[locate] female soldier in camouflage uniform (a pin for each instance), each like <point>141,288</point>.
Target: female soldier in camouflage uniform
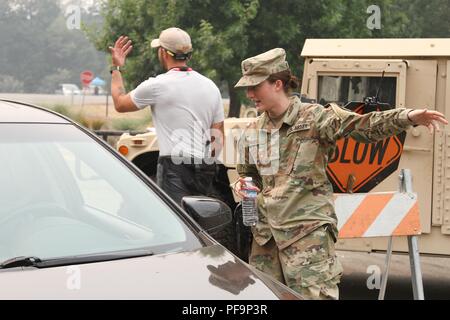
<point>286,152</point>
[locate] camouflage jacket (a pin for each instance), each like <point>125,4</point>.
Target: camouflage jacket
<point>289,164</point>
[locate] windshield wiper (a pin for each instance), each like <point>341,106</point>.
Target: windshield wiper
<point>20,262</point>
<point>70,260</point>
<point>91,258</point>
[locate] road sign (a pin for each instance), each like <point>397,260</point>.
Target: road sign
<point>86,77</point>
<point>363,166</point>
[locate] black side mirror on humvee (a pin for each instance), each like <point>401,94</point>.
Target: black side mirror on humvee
<point>212,214</point>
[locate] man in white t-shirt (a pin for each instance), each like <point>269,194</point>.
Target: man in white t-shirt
<point>187,112</point>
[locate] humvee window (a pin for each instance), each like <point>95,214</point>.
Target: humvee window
<point>342,90</point>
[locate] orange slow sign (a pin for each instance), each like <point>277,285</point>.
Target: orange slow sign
<point>360,166</point>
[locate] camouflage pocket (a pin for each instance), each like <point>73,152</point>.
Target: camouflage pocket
<point>312,260</point>
<point>304,172</point>
<point>326,271</point>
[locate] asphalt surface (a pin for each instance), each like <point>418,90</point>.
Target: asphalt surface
<point>53,99</point>
<point>360,266</point>
<point>70,100</point>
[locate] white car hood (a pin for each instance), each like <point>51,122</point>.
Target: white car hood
<point>206,274</point>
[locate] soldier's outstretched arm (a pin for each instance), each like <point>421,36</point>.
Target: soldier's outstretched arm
<point>335,123</point>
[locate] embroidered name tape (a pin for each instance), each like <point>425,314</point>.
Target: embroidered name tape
<point>300,127</point>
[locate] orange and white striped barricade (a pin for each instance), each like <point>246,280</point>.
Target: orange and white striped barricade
<point>384,214</point>
<point>381,214</point>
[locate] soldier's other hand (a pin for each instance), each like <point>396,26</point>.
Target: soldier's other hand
<point>120,51</point>
<point>237,188</point>
<point>427,118</point>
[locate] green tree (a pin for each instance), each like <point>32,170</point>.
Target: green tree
<point>430,17</point>
<point>10,84</point>
<point>39,51</point>
<point>226,32</point>
<point>222,40</point>
<point>23,48</point>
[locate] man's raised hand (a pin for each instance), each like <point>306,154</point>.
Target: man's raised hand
<point>120,51</point>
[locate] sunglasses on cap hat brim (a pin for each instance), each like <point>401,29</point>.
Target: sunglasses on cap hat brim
<point>177,56</point>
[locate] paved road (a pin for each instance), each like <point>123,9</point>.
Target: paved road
<point>435,272</point>
<point>52,99</point>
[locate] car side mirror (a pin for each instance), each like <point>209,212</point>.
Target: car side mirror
<point>211,214</point>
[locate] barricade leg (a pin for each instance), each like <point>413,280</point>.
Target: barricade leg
<point>416,272</point>
<point>414,260</point>
<point>384,278</point>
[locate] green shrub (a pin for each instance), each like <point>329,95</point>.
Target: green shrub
<point>81,120</point>
<point>61,109</point>
<point>126,124</point>
<point>132,124</point>
<point>97,124</point>
<point>145,121</point>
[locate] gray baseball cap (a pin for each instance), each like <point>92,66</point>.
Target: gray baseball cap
<point>258,68</point>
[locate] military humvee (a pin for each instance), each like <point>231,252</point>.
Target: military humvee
<point>412,73</point>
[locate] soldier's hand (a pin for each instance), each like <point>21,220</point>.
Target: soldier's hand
<point>427,118</point>
<point>237,188</point>
<point>120,51</point>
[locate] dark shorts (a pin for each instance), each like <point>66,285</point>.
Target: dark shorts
<point>180,177</point>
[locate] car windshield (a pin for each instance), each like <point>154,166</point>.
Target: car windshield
<point>63,194</point>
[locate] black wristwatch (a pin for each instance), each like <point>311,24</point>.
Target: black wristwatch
<point>115,68</point>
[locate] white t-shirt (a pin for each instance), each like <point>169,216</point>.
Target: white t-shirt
<point>184,105</point>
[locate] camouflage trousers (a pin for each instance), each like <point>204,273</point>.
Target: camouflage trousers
<point>309,266</point>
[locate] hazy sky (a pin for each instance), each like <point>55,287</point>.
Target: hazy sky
<point>87,3</point>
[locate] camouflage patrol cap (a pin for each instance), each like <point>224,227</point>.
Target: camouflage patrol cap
<point>258,68</point>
